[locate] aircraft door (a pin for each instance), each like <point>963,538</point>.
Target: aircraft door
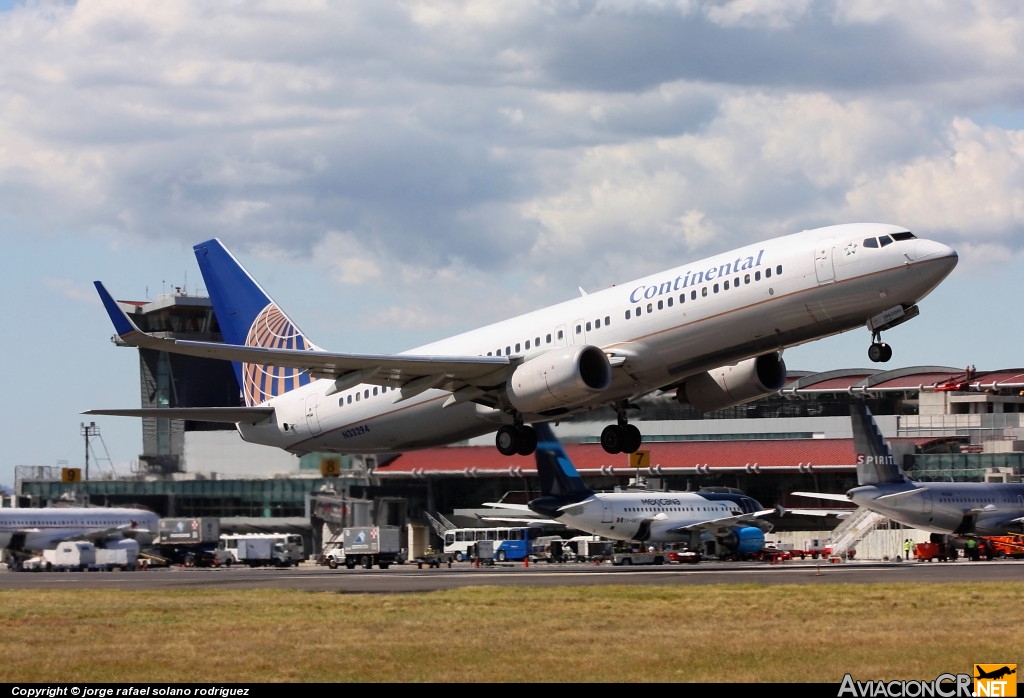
<point>561,336</point>
<point>607,515</point>
<point>578,331</point>
<point>823,266</point>
<point>312,418</point>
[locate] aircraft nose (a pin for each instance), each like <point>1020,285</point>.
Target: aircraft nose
<point>927,250</point>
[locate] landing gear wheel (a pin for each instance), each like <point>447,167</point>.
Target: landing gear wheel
<point>518,439</point>
<point>527,440</point>
<point>505,440</point>
<point>879,352</point>
<point>620,438</point>
<point>631,439</point>
<point>612,438</point>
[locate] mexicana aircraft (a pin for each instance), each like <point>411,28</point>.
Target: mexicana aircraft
<point>961,508</point>
<point>710,332</point>
<point>726,516</point>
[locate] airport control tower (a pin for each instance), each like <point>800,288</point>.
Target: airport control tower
<point>174,380</point>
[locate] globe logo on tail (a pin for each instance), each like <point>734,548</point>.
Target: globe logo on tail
<point>272,330</point>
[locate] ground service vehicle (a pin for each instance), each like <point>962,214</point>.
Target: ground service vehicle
<point>83,555</point>
<point>191,542</point>
<point>651,557</point>
<point>510,543</point>
<point>590,550</point>
<point>278,549</point>
<point>1006,546</point>
<point>367,546</point>
<point>260,551</point>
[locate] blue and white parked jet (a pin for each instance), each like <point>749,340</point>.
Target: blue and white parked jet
<point>960,508</point>
<point>710,332</point>
<point>730,518</point>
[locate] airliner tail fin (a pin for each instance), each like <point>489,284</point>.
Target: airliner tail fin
<point>876,463</point>
<point>558,476</point>
<point>248,316</point>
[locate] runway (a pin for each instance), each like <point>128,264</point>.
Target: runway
<point>409,578</point>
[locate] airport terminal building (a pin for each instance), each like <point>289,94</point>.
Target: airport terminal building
<point>946,423</point>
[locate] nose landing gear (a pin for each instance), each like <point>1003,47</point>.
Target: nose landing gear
<point>879,352</point>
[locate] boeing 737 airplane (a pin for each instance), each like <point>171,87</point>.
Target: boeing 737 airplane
<point>711,332</point>
<point>961,508</point>
<point>27,530</point>
<point>728,517</point>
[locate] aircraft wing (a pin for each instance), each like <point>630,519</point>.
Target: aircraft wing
<point>714,525</point>
<point>408,372</point>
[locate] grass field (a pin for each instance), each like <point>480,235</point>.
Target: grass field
<point>720,633</point>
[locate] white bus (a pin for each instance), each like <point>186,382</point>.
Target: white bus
<point>291,543</point>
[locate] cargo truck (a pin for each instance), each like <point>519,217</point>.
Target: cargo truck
<point>367,546</point>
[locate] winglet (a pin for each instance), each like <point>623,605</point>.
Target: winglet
<point>123,324</point>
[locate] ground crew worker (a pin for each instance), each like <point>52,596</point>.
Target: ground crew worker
<point>907,545</point>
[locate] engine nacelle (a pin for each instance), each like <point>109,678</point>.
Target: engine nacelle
<point>561,377</point>
<point>743,541</point>
<point>734,384</point>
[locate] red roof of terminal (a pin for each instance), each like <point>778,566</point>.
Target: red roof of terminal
<point>752,455</point>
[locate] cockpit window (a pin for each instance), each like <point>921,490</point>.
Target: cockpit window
<point>888,239</point>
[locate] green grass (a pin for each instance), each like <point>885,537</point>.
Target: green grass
<point>732,633</point>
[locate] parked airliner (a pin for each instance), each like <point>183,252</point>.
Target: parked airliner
<point>711,332</point>
<point>730,518</point>
<point>961,508</point>
<point>26,530</point>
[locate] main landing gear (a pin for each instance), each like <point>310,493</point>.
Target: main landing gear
<point>622,437</point>
<point>879,352</point>
<point>515,439</point>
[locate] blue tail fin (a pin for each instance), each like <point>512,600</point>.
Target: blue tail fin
<point>876,463</point>
<point>560,483</point>
<point>248,316</point>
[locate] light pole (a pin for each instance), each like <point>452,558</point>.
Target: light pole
<point>88,430</point>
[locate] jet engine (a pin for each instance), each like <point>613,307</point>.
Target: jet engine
<point>734,384</point>
<point>743,541</point>
<point>559,378</point>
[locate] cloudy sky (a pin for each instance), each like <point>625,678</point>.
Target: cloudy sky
<point>395,172</point>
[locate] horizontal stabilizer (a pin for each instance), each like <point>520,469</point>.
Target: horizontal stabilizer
<point>223,415</point>
<point>823,495</point>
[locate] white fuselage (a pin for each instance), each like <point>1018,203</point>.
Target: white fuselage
<point>662,328</point>
<point>40,529</point>
<point>648,516</point>
<point>990,509</point>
